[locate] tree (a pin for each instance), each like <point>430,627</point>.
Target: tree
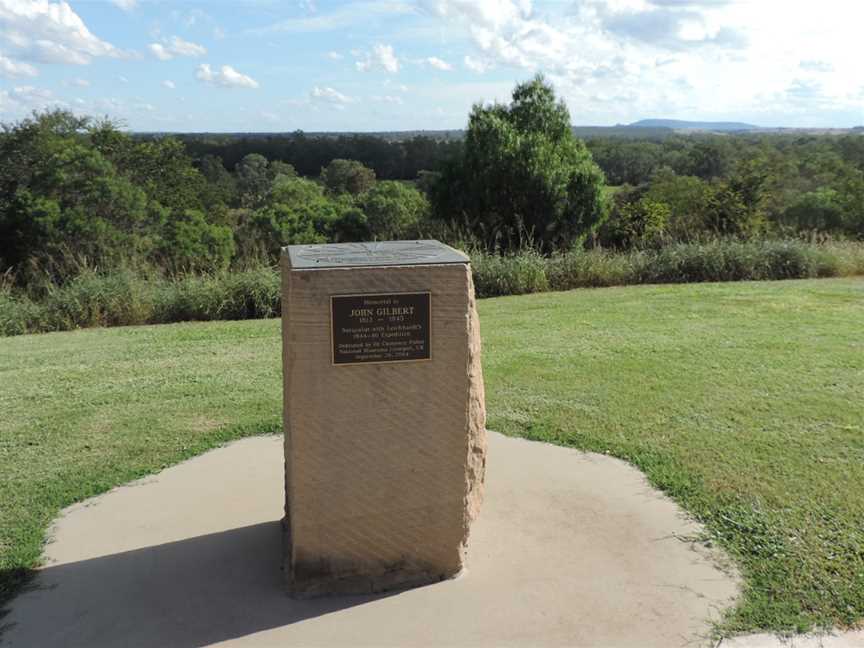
<point>522,172</point>
<point>687,198</point>
<point>253,180</point>
<point>164,171</point>
<point>68,202</point>
<point>278,168</point>
<point>190,243</point>
<point>300,212</point>
<point>393,210</point>
<point>735,206</point>
<point>347,176</point>
<point>221,187</point>
<point>295,191</point>
<point>635,224</point>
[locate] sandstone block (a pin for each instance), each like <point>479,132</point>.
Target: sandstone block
<point>384,415</point>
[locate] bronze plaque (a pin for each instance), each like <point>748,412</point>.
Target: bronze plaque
<point>390,327</point>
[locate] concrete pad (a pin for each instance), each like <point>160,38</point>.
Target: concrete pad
<point>570,549</point>
<point>832,640</point>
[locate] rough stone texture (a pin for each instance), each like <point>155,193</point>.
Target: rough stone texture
<point>384,463</point>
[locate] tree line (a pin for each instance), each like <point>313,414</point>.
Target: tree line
<point>74,190</point>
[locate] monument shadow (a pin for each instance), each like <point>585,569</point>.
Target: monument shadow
<point>191,592</point>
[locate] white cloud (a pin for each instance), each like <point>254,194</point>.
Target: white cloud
<point>718,59</point>
<point>437,63</point>
<point>399,86</point>
<point>346,16</point>
<point>476,65</point>
<point>160,51</point>
<point>492,14</point>
<point>49,32</point>
<point>226,76</point>
<point>169,84</point>
<point>181,47</point>
<point>330,97</point>
<point>21,100</point>
<point>78,83</point>
<point>381,56</point>
<point>334,56</point>
<point>388,99</point>
<point>125,5</point>
<point>329,94</point>
<point>11,68</point>
<point>122,79</point>
<point>176,46</point>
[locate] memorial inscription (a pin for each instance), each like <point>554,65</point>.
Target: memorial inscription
<point>390,327</point>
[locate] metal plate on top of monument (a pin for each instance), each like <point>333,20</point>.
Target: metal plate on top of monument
<point>380,253</point>
<point>389,327</point>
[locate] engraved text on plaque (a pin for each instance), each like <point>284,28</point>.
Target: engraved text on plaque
<point>391,327</point>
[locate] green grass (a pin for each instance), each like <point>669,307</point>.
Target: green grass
<point>87,410</point>
<point>744,401</point>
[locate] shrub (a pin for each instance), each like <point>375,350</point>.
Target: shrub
<point>125,297</point>
<point>248,294</point>
<point>593,268</point>
<point>191,243</point>
<point>347,176</point>
<point>19,315</point>
<point>509,274</point>
<point>635,224</point>
<point>91,299</point>
<point>394,210</point>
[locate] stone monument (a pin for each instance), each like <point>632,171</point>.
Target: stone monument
<point>384,415</point>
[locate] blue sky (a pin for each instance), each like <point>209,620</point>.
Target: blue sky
<point>261,65</point>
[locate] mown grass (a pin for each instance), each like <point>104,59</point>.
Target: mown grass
<point>742,401</point>
<point>745,402</point>
<point>85,411</point>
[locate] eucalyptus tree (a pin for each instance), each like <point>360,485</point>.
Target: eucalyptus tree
<point>523,174</point>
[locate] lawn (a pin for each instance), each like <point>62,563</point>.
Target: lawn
<point>744,401</point>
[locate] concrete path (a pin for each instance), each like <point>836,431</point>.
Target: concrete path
<point>834,640</point>
<point>571,549</point>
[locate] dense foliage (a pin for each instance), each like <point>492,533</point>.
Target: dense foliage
<point>76,194</point>
<point>522,172</point>
<point>79,194</point>
<point>123,297</point>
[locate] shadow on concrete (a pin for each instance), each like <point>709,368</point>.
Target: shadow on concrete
<point>191,592</point>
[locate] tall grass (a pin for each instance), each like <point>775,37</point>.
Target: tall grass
<point>128,297</point>
<point>123,298</point>
<point>509,274</point>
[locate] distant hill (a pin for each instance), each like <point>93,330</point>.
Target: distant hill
<point>680,124</point>
<point>624,131</point>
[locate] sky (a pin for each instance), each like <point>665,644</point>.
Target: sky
<point>373,65</point>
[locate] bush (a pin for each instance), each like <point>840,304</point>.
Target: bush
<point>91,299</point>
<point>594,268</point>
<point>510,274</point>
<point>249,294</point>
<point>848,258</point>
<point>125,298</point>
<point>19,315</point>
<point>394,210</point>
